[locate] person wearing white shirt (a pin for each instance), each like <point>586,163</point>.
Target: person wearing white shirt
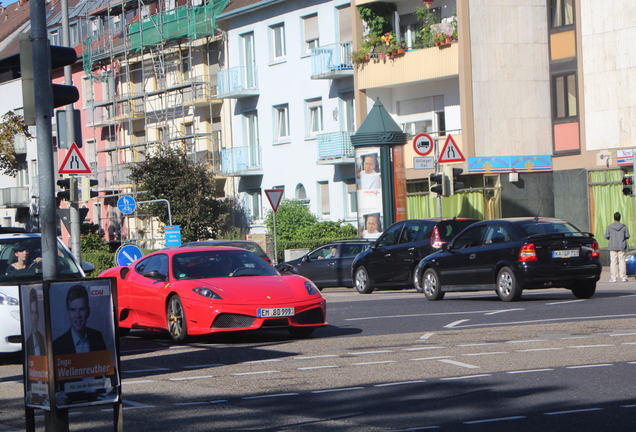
<point>370,176</point>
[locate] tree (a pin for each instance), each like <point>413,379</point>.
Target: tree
<point>292,216</point>
<point>11,125</point>
<point>189,188</point>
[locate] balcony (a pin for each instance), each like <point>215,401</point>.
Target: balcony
<point>241,161</point>
<point>129,109</point>
<point>238,82</point>
<point>99,116</point>
<point>14,197</point>
<point>414,66</point>
<point>20,143</point>
<point>335,148</point>
<point>332,61</point>
<point>200,95</point>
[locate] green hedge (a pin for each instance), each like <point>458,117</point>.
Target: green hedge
<point>101,260</point>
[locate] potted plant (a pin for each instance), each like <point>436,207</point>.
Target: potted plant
<point>360,56</point>
<point>442,39</point>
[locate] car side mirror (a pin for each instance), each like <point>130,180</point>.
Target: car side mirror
<point>154,274</point>
<point>445,246</point>
<point>87,267</point>
<point>306,258</point>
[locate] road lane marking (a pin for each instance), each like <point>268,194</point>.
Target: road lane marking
<point>526,341</point>
<point>423,348</point>
<point>453,324</point>
<point>431,358</point>
<point>255,373</point>
<point>315,357</point>
<point>495,420</point>
<point>421,315</point>
<point>373,363</point>
<point>399,383</point>
<point>426,336</point>
<point>465,377</point>
<point>503,310</point>
<point>475,344</point>
<point>485,353</point>
<point>191,403</point>
<point>529,371</point>
<point>589,366</point>
<point>261,361</point>
<point>317,367</point>
<point>539,349</point>
<point>137,382</point>
<point>419,428</point>
<point>202,366</point>
<point>337,390</point>
<point>574,411</point>
<point>460,364</point>
<point>623,334</point>
<point>270,396</point>
<point>218,401</point>
<point>628,406</point>
<point>590,346</point>
<point>192,378</point>
<point>564,302</point>
<point>369,352</point>
<point>581,318</point>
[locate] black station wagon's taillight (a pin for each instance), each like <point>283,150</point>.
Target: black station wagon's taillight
<point>528,253</point>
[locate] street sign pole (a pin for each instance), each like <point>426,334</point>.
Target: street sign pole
<point>437,165</point>
<point>274,196</point>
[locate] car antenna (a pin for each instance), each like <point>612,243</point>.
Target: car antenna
<point>536,218</point>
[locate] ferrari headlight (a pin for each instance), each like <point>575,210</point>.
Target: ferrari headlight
<point>7,300</point>
<point>311,288</point>
<point>207,292</point>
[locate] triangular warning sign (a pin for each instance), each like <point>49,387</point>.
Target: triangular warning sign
<point>274,196</point>
<point>450,152</point>
<point>74,163</point>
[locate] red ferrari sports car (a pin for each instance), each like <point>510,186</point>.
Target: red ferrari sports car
<point>200,290</point>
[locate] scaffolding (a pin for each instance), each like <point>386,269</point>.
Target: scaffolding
<point>151,77</point>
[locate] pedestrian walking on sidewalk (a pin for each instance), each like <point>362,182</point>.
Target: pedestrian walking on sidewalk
<point>617,234</point>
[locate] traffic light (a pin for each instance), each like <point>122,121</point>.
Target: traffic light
<point>87,192</point>
<point>437,183</point>
<point>628,185</point>
<point>60,94</point>
<point>455,185</point>
<point>69,186</point>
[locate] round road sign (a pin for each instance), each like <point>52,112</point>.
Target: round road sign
<point>423,144</point>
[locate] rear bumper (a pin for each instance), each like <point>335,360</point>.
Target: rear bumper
<point>531,275</point>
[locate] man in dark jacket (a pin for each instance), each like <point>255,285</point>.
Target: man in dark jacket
<point>617,234</point>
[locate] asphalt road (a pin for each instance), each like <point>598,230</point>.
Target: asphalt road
<point>389,361</point>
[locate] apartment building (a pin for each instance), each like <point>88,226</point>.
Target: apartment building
<point>288,83</point>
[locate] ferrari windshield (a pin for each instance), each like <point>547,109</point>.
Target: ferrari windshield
<point>219,263</point>
<point>21,258</point>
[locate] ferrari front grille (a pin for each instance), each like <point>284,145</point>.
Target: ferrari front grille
<point>311,316</point>
<point>228,321</point>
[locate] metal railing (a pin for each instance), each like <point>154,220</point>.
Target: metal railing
<point>240,160</point>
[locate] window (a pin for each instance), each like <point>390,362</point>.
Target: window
<point>351,197</point>
<point>281,114</point>
<point>348,120</point>
<point>55,38</point>
<point>310,24</point>
<point>74,34</point>
<point>278,41</point>
<point>315,116</point>
<point>253,203</point>
<point>565,98</point>
<point>323,190</point>
<point>251,138</point>
<point>249,59</point>
<point>470,238</point>
<point>562,12</point>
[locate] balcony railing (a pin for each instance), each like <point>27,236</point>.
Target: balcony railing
<point>113,177</point>
<point>335,148</point>
<point>20,143</point>
<point>332,61</point>
<point>238,82</point>
<point>14,197</point>
<point>239,161</point>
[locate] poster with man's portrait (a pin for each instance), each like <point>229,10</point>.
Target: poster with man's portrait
<point>84,345</point>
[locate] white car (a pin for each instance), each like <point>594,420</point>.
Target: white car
<point>13,243</point>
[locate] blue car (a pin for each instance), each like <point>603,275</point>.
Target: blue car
<point>630,263</point>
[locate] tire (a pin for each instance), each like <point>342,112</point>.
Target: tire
<point>364,284</point>
<point>584,289</point>
<point>301,332</point>
<point>507,287</point>
<point>431,286</point>
<point>175,317</point>
<point>417,282</point>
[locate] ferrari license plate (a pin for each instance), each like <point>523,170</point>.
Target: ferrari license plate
<point>276,312</point>
<point>570,253</point>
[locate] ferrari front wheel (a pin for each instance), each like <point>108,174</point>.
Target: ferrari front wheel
<point>176,320</point>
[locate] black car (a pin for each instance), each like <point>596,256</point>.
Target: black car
<point>243,244</point>
<point>510,255</point>
<point>391,260</point>
<point>329,265</point>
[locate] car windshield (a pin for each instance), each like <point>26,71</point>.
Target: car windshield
<point>538,227</point>
<point>21,258</point>
<point>219,263</point>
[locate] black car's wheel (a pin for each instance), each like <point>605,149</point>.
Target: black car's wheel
<point>301,332</point>
<point>584,289</point>
<point>364,284</point>
<point>417,281</point>
<point>507,287</point>
<point>431,286</point>
<point>175,316</point>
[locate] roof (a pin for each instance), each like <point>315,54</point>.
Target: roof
<point>237,7</point>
